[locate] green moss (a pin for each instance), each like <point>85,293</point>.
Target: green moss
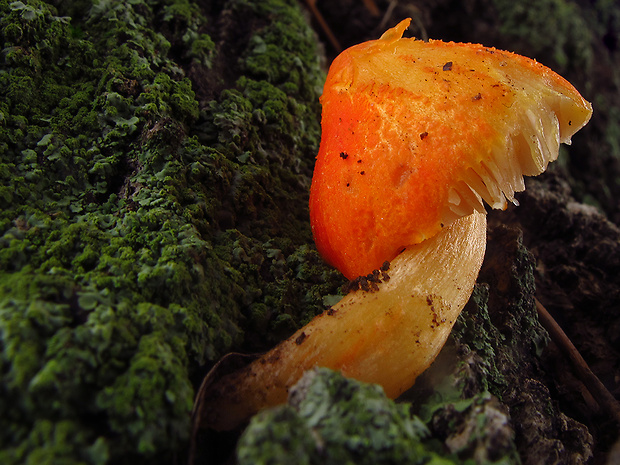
<point>475,329</point>
<point>554,29</point>
<point>334,420</point>
<point>58,443</point>
<point>147,225</point>
<point>289,437</point>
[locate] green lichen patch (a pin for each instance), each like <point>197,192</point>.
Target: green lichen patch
<point>147,226</point>
<point>566,39</point>
<point>477,429</point>
<point>334,420</point>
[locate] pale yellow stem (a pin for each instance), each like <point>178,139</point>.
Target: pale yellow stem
<point>387,336</point>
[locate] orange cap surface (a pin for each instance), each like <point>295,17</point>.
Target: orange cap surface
<point>416,133</point>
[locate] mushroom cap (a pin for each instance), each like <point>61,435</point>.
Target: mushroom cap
<point>416,133</point>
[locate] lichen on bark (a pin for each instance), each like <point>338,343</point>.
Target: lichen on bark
<point>155,159</point>
<point>152,211</point>
<point>333,420</point>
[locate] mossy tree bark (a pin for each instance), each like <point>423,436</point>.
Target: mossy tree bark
<point>155,160</point>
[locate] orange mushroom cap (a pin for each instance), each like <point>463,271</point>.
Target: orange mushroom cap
<point>414,135</point>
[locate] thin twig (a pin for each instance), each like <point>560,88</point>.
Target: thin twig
<point>326,29</point>
<point>372,7</point>
<point>598,390</point>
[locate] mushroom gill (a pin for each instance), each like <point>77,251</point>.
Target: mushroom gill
<point>416,135</point>
<point>464,122</point>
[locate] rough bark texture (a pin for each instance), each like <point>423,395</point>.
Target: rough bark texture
<point>155,165</point>
<point>155,160</point>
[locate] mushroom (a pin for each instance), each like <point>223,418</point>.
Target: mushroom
<point>415,135</point>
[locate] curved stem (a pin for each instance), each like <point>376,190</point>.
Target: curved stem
<point>387,336</point>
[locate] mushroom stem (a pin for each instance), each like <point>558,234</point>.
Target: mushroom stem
<point>386,336</point>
